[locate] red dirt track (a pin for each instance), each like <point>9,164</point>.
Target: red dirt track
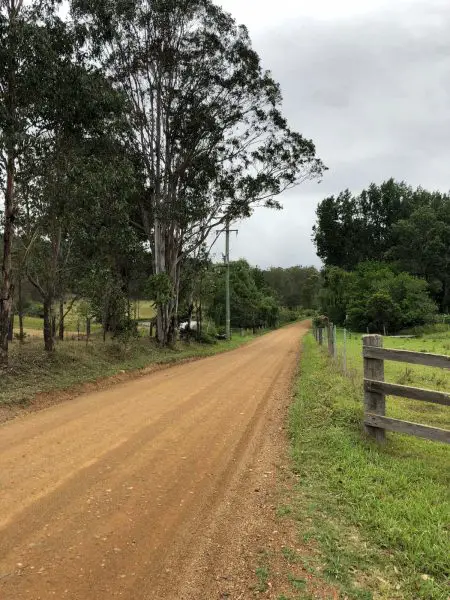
<point>150,489</point>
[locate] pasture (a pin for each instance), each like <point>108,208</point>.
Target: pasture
<point>405,374</point>
<point>75,320</point>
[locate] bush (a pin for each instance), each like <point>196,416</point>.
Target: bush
<point>376,298</point>
<point>287,315</point>
<point>206,338</point>
<point>320,322</point>
<point>34,309</point>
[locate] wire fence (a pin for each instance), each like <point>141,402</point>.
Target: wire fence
<point>338,342</point>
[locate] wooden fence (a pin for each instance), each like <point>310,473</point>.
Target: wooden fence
<point>330,331</point>
<point>376,389</point>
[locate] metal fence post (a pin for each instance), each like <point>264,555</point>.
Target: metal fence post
<point>374,402</point>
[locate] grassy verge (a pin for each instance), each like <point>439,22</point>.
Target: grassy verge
<point>376,519</point>
<point>32,371</point>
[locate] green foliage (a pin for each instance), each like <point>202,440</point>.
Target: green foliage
<point>34,309</point>
<point>287,315</point>
<point>159,288</point>
<point>333,296</point>
<point>294,287</point>
<point>408,228</point>
<point>206,337</point>
<point>375,298</point>
<point>214,99</point>
<point>250,306</point>
<point>262,573</point>
<point>320,321</point>
<point>102,196</point>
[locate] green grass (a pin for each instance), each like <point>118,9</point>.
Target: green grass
<point>32,371</point>
<point>404,374</point>
<point>262,575</point>
<point>142,309</point>
<point>376,518</point>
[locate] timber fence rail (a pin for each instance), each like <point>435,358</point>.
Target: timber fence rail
<point>376,423</point>
<point>375,390</point>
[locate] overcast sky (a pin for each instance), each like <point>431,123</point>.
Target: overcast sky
<point>369,82</point>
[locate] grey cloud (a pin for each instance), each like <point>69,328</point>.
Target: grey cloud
<point>374,95</point>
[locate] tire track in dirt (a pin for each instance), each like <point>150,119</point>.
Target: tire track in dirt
<point>147,490</point>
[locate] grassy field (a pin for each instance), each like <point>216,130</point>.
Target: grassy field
<point>375,519</point>
<point>33,371</point>
<point>142,309</point>
<point>404,374</point>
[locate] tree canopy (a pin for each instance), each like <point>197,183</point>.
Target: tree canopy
<point>204,118</point>
<point>407,228</point>
<point>375,298</point>
<point>129,131</point>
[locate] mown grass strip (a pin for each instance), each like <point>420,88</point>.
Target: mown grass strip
<point>378,516</point>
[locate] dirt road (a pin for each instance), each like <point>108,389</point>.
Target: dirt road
<point>151,489</point>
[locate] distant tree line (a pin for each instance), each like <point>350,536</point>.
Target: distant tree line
<point>263,298</point>
<point>129,131</point>
<point>387,256</point>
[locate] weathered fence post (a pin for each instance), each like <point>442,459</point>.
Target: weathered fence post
<point>374,402</point>
<point>331,339</point>
<point>88,329</point>
<point>335,347</point>
<point>344,359</point>
<point>320,339</point>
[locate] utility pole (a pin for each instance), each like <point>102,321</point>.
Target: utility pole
<point>227,281</point>
<point>227,277</point>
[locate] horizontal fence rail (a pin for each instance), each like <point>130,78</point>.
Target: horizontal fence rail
<point>415,358</point>
<point>423,431</point>
<point>404,391</point>
<point>376,390</point>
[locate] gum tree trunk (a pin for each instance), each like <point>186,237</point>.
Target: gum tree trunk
<point>61,320</point>
<point>20,309</point>
<point>49,343</point>
<point>6,290</point>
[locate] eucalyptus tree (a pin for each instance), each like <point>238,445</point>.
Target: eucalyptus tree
<point>77,222</point>
<point>35,44</point>
<point>14,85</point>
<point>205,118</point>
<point>71,164</point>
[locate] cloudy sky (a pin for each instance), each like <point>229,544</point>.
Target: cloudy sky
<point>369,82</point>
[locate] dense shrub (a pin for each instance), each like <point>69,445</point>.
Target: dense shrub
<point>376,298</point>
